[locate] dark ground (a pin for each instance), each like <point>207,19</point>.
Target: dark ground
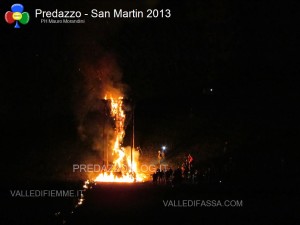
<point>142,203</point>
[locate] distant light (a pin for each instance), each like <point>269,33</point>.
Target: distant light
<point>163,147</point>
<point>211,89</point>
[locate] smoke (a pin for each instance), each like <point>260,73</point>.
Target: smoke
<point>99,78</point>
<point>110,77</point>
<point>100,75</point>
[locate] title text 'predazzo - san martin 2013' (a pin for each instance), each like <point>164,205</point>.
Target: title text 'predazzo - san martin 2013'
<point>115,13</point>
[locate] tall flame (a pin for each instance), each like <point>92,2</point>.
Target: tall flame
<point>124,167</point>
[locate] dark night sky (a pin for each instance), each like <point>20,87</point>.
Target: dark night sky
<point>245,51</point>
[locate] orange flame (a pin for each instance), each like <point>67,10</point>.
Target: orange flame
<point>129,172</point>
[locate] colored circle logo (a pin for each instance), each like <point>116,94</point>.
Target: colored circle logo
<point>17,15</point>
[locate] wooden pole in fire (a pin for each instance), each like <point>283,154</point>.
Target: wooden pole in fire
<point>132,138</point>
<point>106,151</point>
<point>103,141</point>
<point>105,136</point>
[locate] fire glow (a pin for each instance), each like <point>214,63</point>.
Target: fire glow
<point>125,164</point>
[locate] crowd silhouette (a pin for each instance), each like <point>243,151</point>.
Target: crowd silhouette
<point>218,170</point>
<point>184,173</point>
